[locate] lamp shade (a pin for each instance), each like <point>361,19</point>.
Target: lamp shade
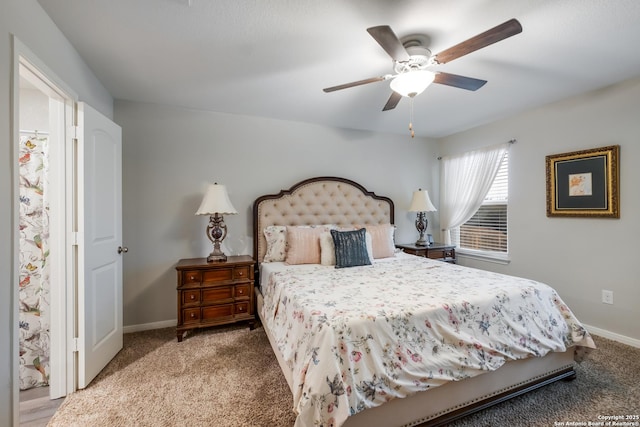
<point>412,83</point>
<point>216,200</point>
<point>421,202</point>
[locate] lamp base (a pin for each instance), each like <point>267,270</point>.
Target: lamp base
<point>216,257</point>
<point>422,242</point>
<point>421,226</point>
<point>216,232</point>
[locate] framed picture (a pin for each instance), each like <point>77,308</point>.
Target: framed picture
<point>584,183</point>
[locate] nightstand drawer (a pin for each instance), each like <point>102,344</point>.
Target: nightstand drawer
<point>189,277</point>
<point>217,294</point>
<point>215,312</point>
<point>436,254</point>
<point>242,308</point>
<point>190,297</point>
<point>243,291</point>
<point>217,275</point>
<point>439,251</point>
<point>191,315</point>
<point>240,273</point>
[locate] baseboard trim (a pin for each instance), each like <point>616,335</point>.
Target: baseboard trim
<point>149,326</point>
<point>613,336</point>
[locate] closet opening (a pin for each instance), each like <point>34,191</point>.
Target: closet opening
<point>44,112</point>
<point>62,337</point>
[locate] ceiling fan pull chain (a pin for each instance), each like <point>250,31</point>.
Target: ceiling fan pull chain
<point>413,134</point>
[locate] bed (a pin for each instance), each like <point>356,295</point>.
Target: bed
<point>392,339</point>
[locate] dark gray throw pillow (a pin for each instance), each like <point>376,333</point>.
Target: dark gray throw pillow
<point>351,248</point>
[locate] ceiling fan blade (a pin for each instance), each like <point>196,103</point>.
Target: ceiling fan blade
<point>461,82</point>
<point>352,84</point>
<point>495,34</point>
<point>392,101</point>
<point>386,38</point>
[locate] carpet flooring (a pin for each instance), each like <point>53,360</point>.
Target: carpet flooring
<point>229,377</point>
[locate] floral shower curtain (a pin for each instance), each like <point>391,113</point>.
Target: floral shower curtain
<point>34,286</point>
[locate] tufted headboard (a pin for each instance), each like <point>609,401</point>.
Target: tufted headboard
<point>317,201</point>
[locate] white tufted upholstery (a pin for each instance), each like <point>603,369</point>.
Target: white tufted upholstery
<point>318,201</point>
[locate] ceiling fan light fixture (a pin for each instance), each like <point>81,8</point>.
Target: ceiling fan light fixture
<point>412,83</point>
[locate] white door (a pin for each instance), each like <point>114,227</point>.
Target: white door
<point>99,180</point>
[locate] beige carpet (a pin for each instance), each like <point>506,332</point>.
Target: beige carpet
<point>230,377</point>
<point>215,377</point>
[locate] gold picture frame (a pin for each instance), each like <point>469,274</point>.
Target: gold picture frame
<point>584,183</point>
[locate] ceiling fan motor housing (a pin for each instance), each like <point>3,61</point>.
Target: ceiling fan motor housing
<point>420,58</point>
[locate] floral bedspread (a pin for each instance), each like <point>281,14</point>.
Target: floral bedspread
<point>357,337</point>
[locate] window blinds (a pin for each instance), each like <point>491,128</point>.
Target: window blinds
<point>487,228</point>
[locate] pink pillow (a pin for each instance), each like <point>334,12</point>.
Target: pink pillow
<point>382,240</point>
<point>303,245</point>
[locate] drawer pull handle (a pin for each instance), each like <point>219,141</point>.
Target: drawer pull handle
<point>193,277</point>
<point>240,291</point>
<point>193,315</point>
<point>240,308</point>
<point>193,296</point>
<point>240,273</point>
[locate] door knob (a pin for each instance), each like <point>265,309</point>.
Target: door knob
<point>122,249</point>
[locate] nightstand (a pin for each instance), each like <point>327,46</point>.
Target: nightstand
<point>438,251</point>
<point>214,293</point>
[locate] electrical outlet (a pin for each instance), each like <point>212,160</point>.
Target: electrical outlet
<point>607,296</point>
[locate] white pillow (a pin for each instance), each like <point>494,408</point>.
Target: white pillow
<point>328,249</point>
<point>276,236</point>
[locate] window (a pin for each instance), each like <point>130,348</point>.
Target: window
<point>486,231</point>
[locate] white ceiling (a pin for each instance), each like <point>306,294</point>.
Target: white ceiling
<point>271,58</point>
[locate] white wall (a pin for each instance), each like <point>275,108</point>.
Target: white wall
<point>577,256</point>
<point>171,154</point>
<point>34,110</point>
<point>27,20</point>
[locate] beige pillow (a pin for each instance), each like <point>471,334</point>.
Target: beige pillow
<point>303,245</point>
<point>382,240</point>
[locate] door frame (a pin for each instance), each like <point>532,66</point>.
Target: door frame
<point>63,318</point>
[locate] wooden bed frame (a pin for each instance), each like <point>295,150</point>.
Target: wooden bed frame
<point>332,200</point>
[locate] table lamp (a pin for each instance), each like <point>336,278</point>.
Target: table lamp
<point>216,203</point>
<point>421,204</point>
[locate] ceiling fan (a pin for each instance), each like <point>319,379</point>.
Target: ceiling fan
<point>411,60</point>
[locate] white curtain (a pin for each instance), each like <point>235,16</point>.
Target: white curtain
<point>465,180</point>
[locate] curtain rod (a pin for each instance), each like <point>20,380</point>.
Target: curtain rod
<point>511,141</point>
<point>37,132</point>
